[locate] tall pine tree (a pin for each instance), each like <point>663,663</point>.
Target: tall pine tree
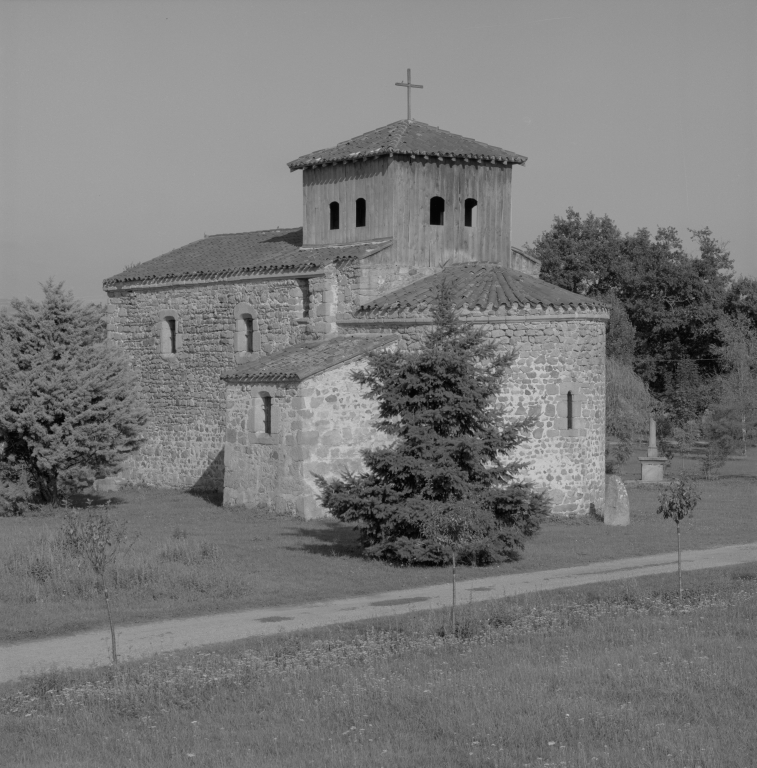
<point>69,406</point>
<point>448,456</point>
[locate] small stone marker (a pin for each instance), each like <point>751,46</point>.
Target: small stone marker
<point>617,509</point>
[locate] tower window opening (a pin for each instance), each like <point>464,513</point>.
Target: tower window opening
<point>471,212</point>
<point>249,330</point>
<point>334,215</point>
<point>570,410</point>
<point>360,212</point>
<point>437,211</point>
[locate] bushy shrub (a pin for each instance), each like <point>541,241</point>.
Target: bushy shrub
<point>449,452</point>
<point>716,453</point>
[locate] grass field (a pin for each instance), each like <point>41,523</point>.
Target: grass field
<point>614,676</point>
<point>192,556</point>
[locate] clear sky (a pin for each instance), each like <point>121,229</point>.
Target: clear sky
<point>130,128</point>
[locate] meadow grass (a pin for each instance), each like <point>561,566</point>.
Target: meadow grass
<point>620,675</point>
<point>192,557</point>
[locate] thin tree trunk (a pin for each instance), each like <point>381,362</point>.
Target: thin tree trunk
<point>110,621</point>
<point>454,588</point>
<point>678,532</point>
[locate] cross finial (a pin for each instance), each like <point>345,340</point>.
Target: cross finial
<point>408,85</point>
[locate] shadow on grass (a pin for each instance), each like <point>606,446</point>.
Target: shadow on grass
<point>331,538</point>
<point>75,501</point>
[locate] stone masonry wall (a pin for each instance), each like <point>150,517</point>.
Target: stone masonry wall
<point>556,353</point>
<point>184,392</point>
<point>318,427</point>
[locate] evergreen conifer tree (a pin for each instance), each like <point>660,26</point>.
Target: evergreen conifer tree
<point>448,456</point>
<point>69,406</point>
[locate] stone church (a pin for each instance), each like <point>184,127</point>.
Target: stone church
<point>245,343</point>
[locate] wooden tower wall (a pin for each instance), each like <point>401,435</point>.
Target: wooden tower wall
<point>345,183</point>
<point>418,242</point>
<point>398,193</point>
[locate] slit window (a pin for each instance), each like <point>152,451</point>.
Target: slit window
<point>305,291</point>
<point>570,410</point>
<point>249,330</point>
<point>437,211</point>
<point>168,340</point>
<point>360,212</point>
<point>334,215</point>
<point>267,406</point>
<point>471,212</point>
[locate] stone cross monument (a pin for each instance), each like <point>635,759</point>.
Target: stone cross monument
<point>652,464</point>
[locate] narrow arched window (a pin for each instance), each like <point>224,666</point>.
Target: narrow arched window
<point>304,285</point>
<point>570,410</point>
<point>246,331</point>
<point>249,332</point>
<point>168,336</point>
<point>360,212</point>
<point>334,215</point>
<point>267,407</point>
<point>437,211</point>
<point>471,212</point>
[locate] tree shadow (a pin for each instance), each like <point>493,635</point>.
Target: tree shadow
<point>74,501</point>
<point>332,539</point>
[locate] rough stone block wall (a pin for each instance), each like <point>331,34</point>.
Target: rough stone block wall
<point>184,392</point>
<point>319,427</point>
<point>261,468</point>
<point>552,359</point>
<point>556,353</point>
<point>362,281</point>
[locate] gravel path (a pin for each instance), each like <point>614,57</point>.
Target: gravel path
<point>136,641</point>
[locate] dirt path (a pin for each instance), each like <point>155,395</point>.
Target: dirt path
<point>92,648</point>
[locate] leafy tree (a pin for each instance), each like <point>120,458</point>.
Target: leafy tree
<point>741,301</point>
<point>583,255</point>
<point>628,409</point>
<point>674,301</point>
<point>621,335</point>
<point>676,502</point>
<point>735,412</point>
<point>69,406</point>
<point>448,455</point>
<point>687,393</point>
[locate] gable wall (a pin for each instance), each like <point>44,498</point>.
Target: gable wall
<point>321,425</point>
<point>185,395</point>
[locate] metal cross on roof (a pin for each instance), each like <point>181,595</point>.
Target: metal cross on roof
<point>408,85</point>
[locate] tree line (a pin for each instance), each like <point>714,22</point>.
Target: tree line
<point>683,328</point>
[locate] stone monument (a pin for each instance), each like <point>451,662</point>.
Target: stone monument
<point>652,464</point>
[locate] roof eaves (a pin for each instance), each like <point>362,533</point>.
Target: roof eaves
<point>226,274</point>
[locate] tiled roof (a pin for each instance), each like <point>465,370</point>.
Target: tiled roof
<point>486,286</point>
<point>305,360</point>
<point>406,137</point>
<point>238,254</point>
